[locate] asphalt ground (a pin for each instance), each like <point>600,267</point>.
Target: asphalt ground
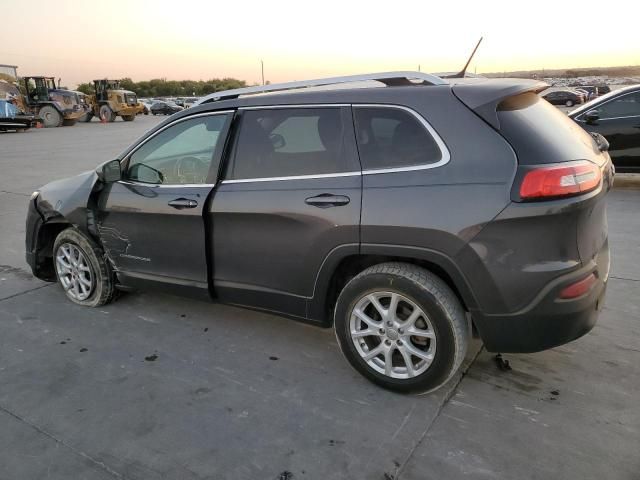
<point>160,387</point>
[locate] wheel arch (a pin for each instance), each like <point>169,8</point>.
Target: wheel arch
<point>45,238</point>
<point>342,264</point>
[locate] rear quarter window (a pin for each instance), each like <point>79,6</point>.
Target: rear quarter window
<point>541,133</point>
<point>393,138</point>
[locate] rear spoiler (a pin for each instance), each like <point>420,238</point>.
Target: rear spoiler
<point>484,95</point>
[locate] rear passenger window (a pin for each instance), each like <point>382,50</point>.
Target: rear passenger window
<point>286,142</point>
<point>393,138</point>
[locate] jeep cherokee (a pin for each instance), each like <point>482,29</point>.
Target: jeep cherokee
<point>407,213</point>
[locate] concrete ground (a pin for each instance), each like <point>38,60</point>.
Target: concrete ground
<point>155,386</point>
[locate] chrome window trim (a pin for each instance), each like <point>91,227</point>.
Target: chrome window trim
<point>297,105</point>
<point>183,119</point>
<point>293,177</point>
<point>610,118</point>
<point>165,185</point>
<point>444,151</point>
<point>169,185</point>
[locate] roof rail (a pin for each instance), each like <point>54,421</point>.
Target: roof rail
<point>388,78</point>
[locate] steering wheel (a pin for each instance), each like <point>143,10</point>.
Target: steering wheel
<point>191,170</point>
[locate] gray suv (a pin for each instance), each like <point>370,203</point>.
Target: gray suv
<point>408,212</point>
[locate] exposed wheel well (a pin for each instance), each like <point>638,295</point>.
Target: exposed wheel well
<point>46,238</point>
<point>350,266</point>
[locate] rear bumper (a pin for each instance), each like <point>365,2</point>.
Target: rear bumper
<point>548,321</point>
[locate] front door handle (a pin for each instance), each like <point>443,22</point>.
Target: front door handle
<point>181,203</point>
<point>326,200</point>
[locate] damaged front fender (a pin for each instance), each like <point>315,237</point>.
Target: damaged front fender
<point>58,204</point>
<point>70,199</point>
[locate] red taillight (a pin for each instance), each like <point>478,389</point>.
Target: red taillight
<point>579,288</point>
<point>571,178</point>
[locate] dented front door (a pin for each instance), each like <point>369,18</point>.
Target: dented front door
<point>151,222</point>
<point>155,233</point>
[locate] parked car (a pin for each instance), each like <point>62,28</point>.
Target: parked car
<point>11,118</point>
<point>568,98</point>
<point>146,106</point>
<point>603,89</point>
<point>190,102</point>
<point>616,116</point>
<point>590,90</point>
<point>366,209</point>
<point>165,108</point>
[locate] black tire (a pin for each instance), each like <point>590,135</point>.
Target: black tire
<point>69,122</point>
<point>428,292</point>
<point>569,103</point>
<point>103,289</point>
<point>51,118</point>
<point>107,113</point>
<point>86,118</point>
<point>128,118</point>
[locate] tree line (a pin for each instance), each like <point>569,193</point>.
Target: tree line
<point>161,87</point>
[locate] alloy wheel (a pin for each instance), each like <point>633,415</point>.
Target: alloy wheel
<point>74,271</point>
<point>392,334</point>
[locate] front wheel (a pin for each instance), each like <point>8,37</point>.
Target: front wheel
<point>107,114</point>
<point>569,103</point>
<point>401,327</point>
<point>128,118</point>
<point>81,269</point>
<point>51,118</point>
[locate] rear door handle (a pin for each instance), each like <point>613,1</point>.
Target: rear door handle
<point>181,203</point>
<point>326,200</point>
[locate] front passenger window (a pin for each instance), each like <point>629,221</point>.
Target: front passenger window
<point>181,154</point>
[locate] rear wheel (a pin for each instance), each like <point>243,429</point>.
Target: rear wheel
<point>569,103</point>
<point>401,327</point>
<point>82,271</point>
<point>128,118</point>
<point>107,114</point>
<point>86,118</point>
<point>50,117</point>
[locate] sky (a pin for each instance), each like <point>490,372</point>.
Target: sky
<point>79,40</point>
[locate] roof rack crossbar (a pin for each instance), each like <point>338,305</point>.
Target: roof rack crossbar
<point>388,78</point>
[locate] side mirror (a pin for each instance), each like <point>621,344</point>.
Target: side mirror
<point>592,116</point>
<point>109,172</point>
